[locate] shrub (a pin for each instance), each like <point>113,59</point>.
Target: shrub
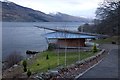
<point>94,49</point>
<point>25,69</point>
<point>24,63</point>
<point>38,64</point>
<point>113,42</point>
<point>13,58</point>
<point>47,57</point>
<point>28,73</point>
<point>51,46</point>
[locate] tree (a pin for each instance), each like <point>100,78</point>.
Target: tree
<point>94,49</point>
<point>47,57</point>
<point>87,28</point>
<point>29,73</point>
<point>25,69</point>
<point>108,16</point>
<point>13,58</point>
<point>81,28</point>
<point>51,46</point>
<point>24,65</point>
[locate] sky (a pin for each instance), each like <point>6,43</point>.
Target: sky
<point>80,8</point>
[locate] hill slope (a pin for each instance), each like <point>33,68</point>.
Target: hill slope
<point>17,13</point>
<point>14,12</point>
<point>69,18</point>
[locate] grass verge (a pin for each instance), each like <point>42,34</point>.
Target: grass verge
<point>108,40</point>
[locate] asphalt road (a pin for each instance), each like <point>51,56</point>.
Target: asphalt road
<point>108,67</point>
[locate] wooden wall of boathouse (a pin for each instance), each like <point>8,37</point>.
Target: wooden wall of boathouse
<point>72,42</point>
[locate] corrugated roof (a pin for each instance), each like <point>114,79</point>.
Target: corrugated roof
<point>62,35</point>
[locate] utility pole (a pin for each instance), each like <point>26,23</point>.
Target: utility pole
<point>58,58</point>
<point>58,62</point>
<point>65,48</point>
<point>79,50</point>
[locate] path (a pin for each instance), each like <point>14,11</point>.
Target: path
<point>108,68</point>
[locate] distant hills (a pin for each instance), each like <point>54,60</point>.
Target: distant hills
<point>68,18</point>
<point>12,12</point>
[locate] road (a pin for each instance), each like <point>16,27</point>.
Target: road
<point>108,67</point>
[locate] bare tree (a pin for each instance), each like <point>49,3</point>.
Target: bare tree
<point>13,58</point>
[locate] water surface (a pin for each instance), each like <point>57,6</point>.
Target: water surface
<point>22,36</point>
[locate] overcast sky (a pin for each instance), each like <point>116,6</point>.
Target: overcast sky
<point>84,8</point>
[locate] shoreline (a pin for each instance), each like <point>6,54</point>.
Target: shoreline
<point>20,67</point>
<point>39,53</point>
<point>28,56</point>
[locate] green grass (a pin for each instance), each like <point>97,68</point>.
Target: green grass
<point>72,57</point>
<point>108,40</point>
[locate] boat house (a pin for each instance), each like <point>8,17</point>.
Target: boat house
<point>68,39</point>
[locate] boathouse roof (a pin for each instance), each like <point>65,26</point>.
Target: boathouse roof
<point>62,35</point>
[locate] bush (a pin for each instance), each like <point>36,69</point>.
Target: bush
<point>94,49</point>
<point>38,64</point>
<point>51,46</point>
<point>24,63</point>
<point>13,58</point>
<point>28,73</point>
<point>113,42</point>
<point>25,69</point>
<point>47,57</point>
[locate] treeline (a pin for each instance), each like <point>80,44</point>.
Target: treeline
<point>107,19</point>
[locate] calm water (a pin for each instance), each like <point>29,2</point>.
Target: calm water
<point>22,36</point>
